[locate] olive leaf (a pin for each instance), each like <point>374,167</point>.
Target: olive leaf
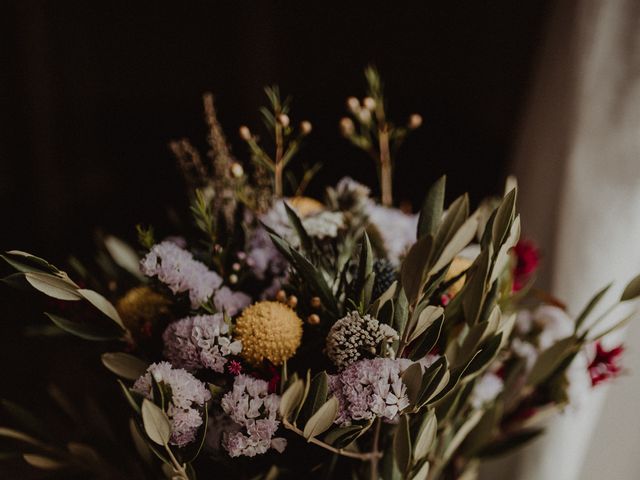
<point>412,378</point>
<point>98,331</point>
<point>462,432</point>
<point>458,242</point>
<point>550,359</point>
<point>632,290</point>
<point>291,398</point>
<point>432,208</point>
<point>124,256</point>
<point>156,423</point>
<point>318,390</point>
<point>296,223</point>
<point>25,262</point>
<point>102,304</point>
<point>422,473</point>
<point>593,302</point>
<point>402,445</point>
<point>413,267</point>
<point>322,420</point>
<point>124,365</point>
<point>53,286</point>
<point>426,318</point>
<point>426,436</point>
<point>42,462</point>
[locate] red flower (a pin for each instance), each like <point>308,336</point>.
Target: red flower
<point>274,381</point>
<point>234,367</point>
<point>605,364</point>
<point>528,257</point>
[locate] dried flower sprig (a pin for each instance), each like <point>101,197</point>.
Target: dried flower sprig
<point>374,133</point>
<point>286,141</point>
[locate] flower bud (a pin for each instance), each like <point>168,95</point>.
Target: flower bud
<point>415,121</point>
<point>346,127</point>
<point>305,127</point>
<point>283,119</point>
<point>365,116</point>
<point>313,319</point>
<point>353,104</point>
<point>293,301</point>
<point>315,302</point>
<point>369,103</point>
<point>281,296</point>
<point>235,267</point>
<point>245,133</point>
<point>233,279</point>
<point>236,170</point>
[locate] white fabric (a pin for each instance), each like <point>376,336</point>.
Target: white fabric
<point>578,165</point>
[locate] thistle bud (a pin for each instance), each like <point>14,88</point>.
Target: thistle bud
<point>236,170</point>
<point>346,127</point>
<point>305,127</point>
<point>353,104</point>
<point>415,121</point>
<point>369,103</point>
<point>245,133</point>
<point>283,119</point>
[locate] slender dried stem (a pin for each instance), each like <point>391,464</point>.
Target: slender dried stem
<point>376,451</point>
<point>278,164</point>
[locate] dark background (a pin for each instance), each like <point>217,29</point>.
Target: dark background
<point>92,92</point>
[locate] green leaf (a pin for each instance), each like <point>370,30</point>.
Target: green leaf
<point>24,418</point>
<point>102,304</point>
<point>343,436</point>
<point>402,445</point>
<point>363,285</point>
<point>124,365</point>
<point>456,215</point>
<point>124,256</point>
<point>322,420</point>
<point>20,436</point>
<point>412,378</point>
<point>475,290</point>
<point>296,223</point>
<point>291,398</point>
<point>632,290</point>
<point>317,396</point>
<point>413,267</point>
<point>130,396</point>
<point>97,331</point>
<point>488,353</point>
<point>427,317</point>
<point>503,219</point>
<point>42,462</point>
<point>426,436</point>
<point>316,281</point>
<point>462,432</point>
<point>590,306</point>
<point>401,313</point>
<point>25,262</point>
<point>53,286</point>
<point>550,359</point>
<point>432,208</point>
<point>506,445</point>
<point>458,242</point>
<point>422,473</point>
<point>384,298</point>
<point>429,339</point>
<point>139,443</point>
<point>156,423</point>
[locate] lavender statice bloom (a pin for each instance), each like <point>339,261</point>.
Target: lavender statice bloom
<point>230,302</point>
<point>188,396</point>
<point>199,342</point>
<point>176,268</point>
<point>370,388</point>
<point>397,229</point>
<point>250,405</point>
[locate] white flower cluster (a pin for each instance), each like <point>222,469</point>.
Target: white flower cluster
<point>187,399</point>
<point>354,337</point>
<point>397,229</point>
<point>486,389</point>
<point>370,388</point>
<point>251,406</point>
<point>176,268</point>
<point>198,342</point>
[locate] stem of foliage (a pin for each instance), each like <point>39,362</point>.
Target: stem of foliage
<point>177,468</point>
<point>375,451</point>
<point>385,168</point>
<point>278,167</point>
<point>370,456</point>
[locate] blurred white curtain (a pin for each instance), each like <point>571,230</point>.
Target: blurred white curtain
<point>578,165</point>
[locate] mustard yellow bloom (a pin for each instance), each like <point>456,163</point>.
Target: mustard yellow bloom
<point>141,307</point>
<point>268,330</point>
<point>459,265</point>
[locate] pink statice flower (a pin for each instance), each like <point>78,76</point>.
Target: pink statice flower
<point>230,302</point>
<point>187,399</point>
<point>250,405</point>
<point>370,388</point>
<point>176,268</point>
<point>202,341</point>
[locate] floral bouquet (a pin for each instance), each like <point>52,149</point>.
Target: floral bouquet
<point>283,336</point>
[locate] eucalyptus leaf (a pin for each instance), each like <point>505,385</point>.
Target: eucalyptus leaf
<point>124,365</point>
<point>156,423</point>
<point>322,420</point>
<point>550,359</point>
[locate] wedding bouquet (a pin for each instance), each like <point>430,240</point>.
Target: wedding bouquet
<point>284,336</point>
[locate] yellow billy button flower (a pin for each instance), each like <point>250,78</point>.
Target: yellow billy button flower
<point>305,206</point>
<point>141,307</point>
<point>459,265</point>
<point>268,330</point>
